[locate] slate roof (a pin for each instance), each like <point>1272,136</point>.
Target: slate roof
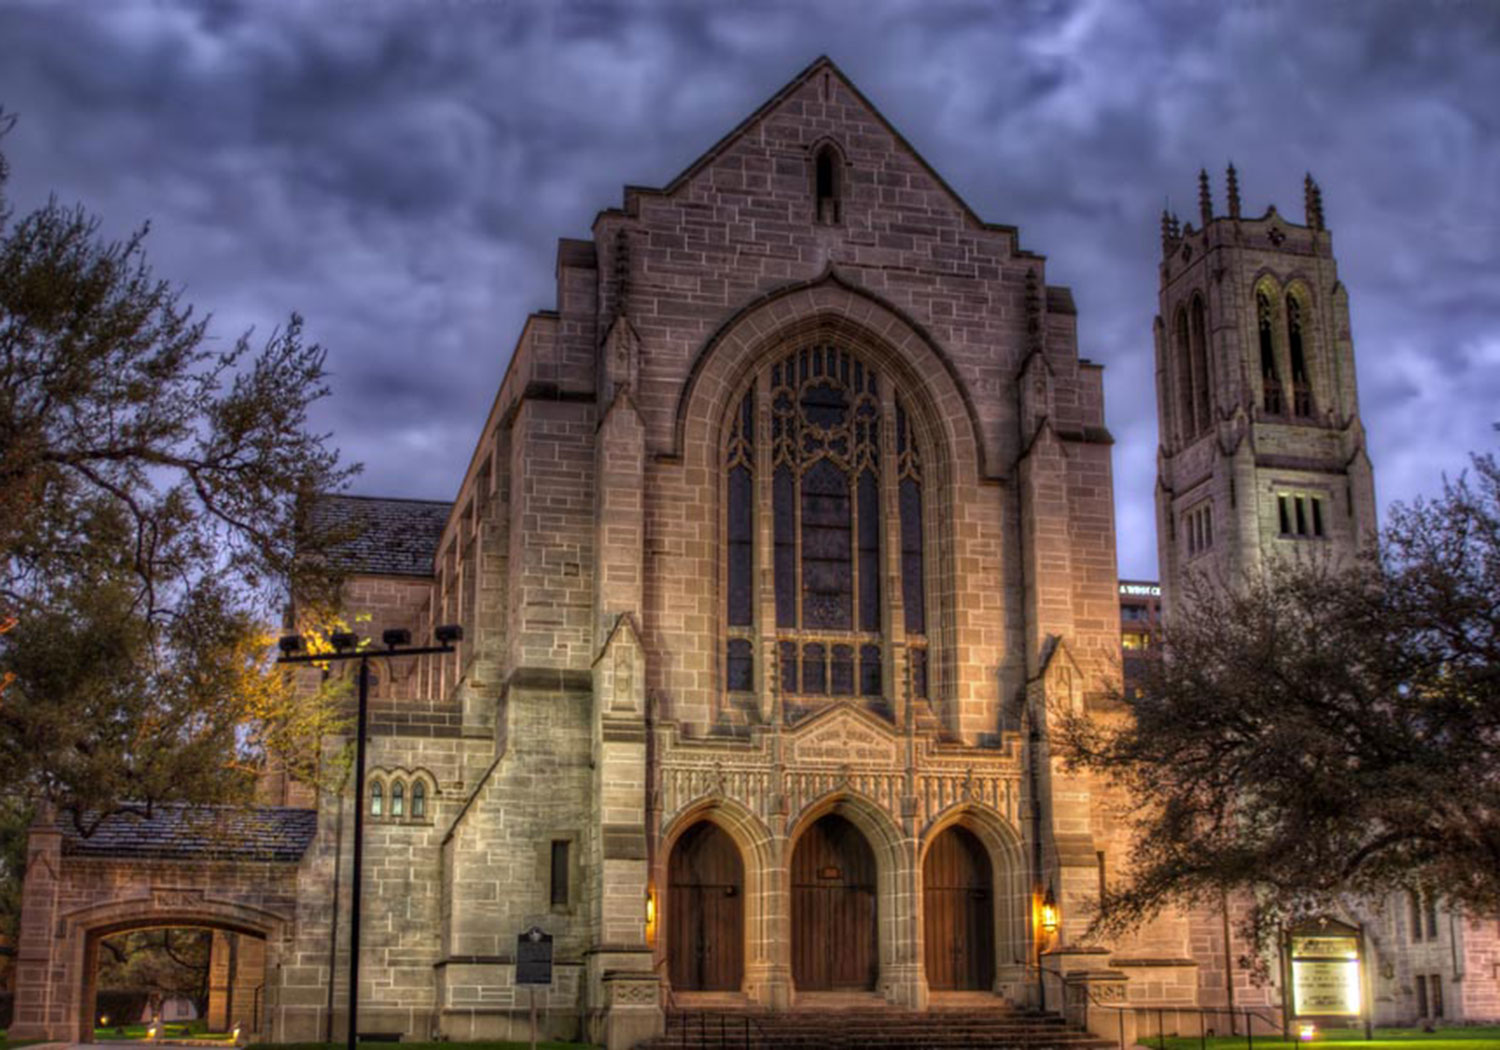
<point>382,537</point>
<point>269,833</point>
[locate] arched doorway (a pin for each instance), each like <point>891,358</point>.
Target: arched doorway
<point>958,913</point>
<point>833,908</point>
<point>706,916</point>
<point>191,977</point>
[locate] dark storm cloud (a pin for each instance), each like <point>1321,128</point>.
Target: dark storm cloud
<point>400,172</point>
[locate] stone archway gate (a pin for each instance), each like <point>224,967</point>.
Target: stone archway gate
<point>231,870</point>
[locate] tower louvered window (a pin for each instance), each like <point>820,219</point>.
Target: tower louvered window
<point>829,529</point>
<point>1188,427</point>
<point>1269,382</point>
<point>1301,385</point>
<point>1203,394</point>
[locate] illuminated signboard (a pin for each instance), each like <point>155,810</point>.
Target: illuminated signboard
<point>1140,590</point>
<point>1325,975</point>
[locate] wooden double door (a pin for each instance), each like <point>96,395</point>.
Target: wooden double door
<point>958,913</point>
<point>834,942</point>
<point>706,916</point>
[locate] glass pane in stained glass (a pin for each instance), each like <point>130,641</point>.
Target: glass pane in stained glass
<point>741,545</point>
<point>784,510</point>
<point>788,660</point>
<point>843,670</point>
<point>827,576</point>
<point>814,677</point>
<point>869,670</point>
<point>913,594</point>
<point>825,405</point>
<point>741,666</point>
<point>869,552</point>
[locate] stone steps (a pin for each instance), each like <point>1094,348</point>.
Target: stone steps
<point>997,1028</point>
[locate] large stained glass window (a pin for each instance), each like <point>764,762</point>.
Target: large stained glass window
<point>829,527</point>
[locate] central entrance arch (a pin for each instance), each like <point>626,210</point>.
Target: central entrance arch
<point>834,943</point>
<point>958,913</point>
<point>706,920</point>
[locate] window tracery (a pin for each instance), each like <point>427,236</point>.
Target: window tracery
<point>829,530</point>
<point>828,483</point>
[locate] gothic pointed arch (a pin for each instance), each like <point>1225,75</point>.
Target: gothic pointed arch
<point>1202,380</point>
<point>830,304</point>
<point>1299,343</point>
<point>1267,313</point>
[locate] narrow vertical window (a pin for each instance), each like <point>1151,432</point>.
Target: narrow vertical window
<point>1429,901</point>
<point>1189,426</point>
<point>1422,1008</point>
<point>1414,900</point>
<point>560,873</point>
<point>741,669</point>
<point>377,799</point>
<point>1204,393</point>
<point>418,799</point>
<point>740,463</point>
<point>398,799</point>
<point>826,185</point>
<point>1299,503</point>
<point>1301,385</point>
<point>1270,384</point>
<point>1317,516</point>
<point>1435,993</point>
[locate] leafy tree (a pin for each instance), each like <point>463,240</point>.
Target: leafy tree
<point>152,491</point>
<point>1322,731</point>
<point>165,963</point>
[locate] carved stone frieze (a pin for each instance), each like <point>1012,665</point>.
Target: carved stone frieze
<point>842,752</point>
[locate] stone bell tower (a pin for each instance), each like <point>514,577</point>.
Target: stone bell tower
<point>1262,452</point>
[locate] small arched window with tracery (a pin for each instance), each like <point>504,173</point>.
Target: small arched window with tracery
<point>398,799</point>
<point>377,799</point>
<point>419,799</point>
<point>1302,401</point>
<point>1269,380</point>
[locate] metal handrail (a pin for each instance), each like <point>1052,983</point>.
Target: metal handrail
<point>1272,1017</point>
<point>745,1019</point>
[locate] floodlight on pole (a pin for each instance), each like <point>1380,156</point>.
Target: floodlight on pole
<point>346,647</point>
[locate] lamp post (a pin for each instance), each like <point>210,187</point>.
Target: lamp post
<point>397,642</point>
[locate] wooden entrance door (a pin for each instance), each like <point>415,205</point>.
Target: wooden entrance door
<point>833,908</point>
<point>959,913</point>
<point>705,918</point>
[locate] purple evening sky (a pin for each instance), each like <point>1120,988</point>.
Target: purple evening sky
<point>400,172</point>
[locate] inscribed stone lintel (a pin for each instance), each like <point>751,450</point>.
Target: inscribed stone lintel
<point>624,842</point>
<point>614,732</point>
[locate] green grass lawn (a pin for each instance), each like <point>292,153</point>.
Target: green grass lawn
<point>170,1030</point>
<point>1352,1039</point>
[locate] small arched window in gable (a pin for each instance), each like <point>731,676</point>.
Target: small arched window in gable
<point>418,799</point>
<point>1301,385</point>
<point>827,186</point>
<point>377,799</point>
<point>398,799</point>
<point>1270,383</point>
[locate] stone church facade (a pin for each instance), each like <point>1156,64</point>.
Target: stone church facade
<point>788,534</point>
